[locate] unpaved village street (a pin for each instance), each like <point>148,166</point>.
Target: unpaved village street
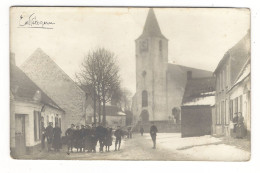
<point>169,147</point>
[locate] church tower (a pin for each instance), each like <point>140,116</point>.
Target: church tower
<point>151,67</point>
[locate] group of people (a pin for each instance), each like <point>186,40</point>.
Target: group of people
<point>82,138</point>
<point>85,138</point>
<point>237,126</point>
<point>53,136</point>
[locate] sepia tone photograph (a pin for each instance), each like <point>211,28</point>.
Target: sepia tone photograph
<point>129,83</point>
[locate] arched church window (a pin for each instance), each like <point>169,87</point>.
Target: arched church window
<point>144,98</point>
<point>160,45</point>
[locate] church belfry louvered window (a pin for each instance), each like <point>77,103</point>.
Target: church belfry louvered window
<point>144,99</point>
<point>144,45</point>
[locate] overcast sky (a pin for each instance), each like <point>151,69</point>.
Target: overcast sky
<point>197,37</point>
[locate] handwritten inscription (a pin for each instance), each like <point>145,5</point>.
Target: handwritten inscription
<point>32,22</point>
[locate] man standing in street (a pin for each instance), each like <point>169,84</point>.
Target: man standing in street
<point>56,138</point>
<point>142,131</point>
<point>153,133</point>
<point>118,134</point>
<point>70,137</point>
<point>93,138</point>
<point>101,134</point>
<point>49,135</point>
<point>82,138</point>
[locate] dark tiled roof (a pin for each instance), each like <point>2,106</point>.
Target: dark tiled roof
<point>196,73</point>
<point>151,27</point>
<point>198,88</point>
<point>239,53</point>
<point>22,87</point>
<point>243,74</point>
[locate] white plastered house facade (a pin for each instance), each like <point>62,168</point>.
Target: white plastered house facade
<point>30,108</point>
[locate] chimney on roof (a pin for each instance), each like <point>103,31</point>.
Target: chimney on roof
<point>12,58</point>
<point>189,75</point>
<point>37,96</point>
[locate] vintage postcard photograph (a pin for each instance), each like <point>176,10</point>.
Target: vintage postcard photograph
<point>129,83</point>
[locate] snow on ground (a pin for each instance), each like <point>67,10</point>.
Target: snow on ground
<point>200,148</point>
<point>219,152</point>
<point>207,100</point>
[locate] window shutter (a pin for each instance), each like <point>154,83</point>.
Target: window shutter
<point>35,125</point>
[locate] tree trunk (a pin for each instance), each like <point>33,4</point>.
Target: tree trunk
<point>104,112</point>
<point>99,106</point>
<point>95,100</point>
<point>104,106</point>
<point>99,110</point>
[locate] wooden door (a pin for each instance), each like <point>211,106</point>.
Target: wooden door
<point>20,147</point>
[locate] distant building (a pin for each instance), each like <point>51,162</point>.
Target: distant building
<point>160,86</point>
<point>197,105</point>
<point>58,86</point>
<point>233,87</point>
<point>114,117</point>
<point>30,108</point>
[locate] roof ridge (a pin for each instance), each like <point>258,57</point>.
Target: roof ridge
<point>190,67</point>
<point>209,77</point>
<point>41,51</point>
<point>242,69</point>
<point>39,88</point>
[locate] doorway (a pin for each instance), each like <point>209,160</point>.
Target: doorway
<point>20,147</point>
<point>144,116</point>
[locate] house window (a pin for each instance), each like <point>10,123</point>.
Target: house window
<point>56,120</point>
<point>60,122</point>
<point>227,112</point>
<point>236,106</point>
<point>231,109</point>
<point>47,120</point>
<point>240,104</point>
<point>222,112</point>
<point>144,98</point>
<point>37,125</point>
<point>218,108</point>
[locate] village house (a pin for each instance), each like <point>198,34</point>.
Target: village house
<point>42,70</point>
<point>233,87</point>
<point>241,90</point>
<point>30,108</point>
<point>114,116</point>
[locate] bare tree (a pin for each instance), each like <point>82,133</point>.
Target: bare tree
<point>88,78</point>
<point>100,72</point>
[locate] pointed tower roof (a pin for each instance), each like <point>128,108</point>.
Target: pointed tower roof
<point>151,27</point>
